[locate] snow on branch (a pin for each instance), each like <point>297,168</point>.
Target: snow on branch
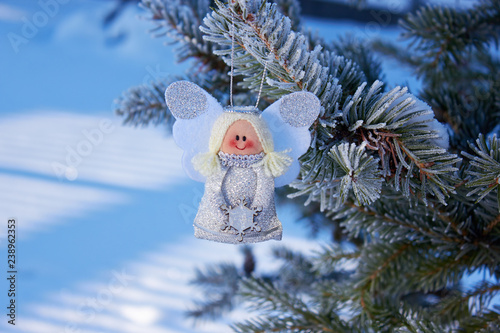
<point>485,171</point>
<point>179,20</point>
<point>264,37</point>
<point>446,31</point>
<point>402,129</point>
<point>144,105</point>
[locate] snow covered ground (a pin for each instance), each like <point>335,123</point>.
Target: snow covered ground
<point>104,212</point>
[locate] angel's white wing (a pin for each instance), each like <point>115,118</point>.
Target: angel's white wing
<point>289,119</point>
<point>195,111</point>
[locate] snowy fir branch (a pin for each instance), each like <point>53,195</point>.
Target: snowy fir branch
<point>444,32</point>
<point>485,171</point>
<point>291,9</point>
<point>361,54</point>
<point>408,189</point>
<point>179,21</point>
<point>293,315</point>
<point>461,305</point>
<point>450,51</point>
<point>264,37</point>
<point>144,105</point>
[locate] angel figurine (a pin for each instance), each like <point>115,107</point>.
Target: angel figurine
<point>242,155</point>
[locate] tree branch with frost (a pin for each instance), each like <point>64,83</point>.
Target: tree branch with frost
<point>485,167</point>
<point>144,105</point>
<point>401,130</point>
<point>445,32</point>
<point>179,21</point>
<point>265,37</point>
<point>286,312</point>
<point>404,133</point>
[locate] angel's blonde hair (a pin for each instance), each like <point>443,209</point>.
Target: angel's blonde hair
<point>275,163</point>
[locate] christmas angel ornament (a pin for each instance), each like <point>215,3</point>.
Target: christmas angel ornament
<point>241,154</point>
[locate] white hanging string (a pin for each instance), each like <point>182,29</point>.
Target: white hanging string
<point>232,63</point>
<point>261,84</point>
<point>232,70</point>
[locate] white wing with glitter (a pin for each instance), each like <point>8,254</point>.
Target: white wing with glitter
<point>289,119</point>
<point>195,112</point>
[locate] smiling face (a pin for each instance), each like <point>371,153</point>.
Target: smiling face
<point>241,139</point>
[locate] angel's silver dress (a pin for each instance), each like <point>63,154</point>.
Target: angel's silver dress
<point>238,203</point>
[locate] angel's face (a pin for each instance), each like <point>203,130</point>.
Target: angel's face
<point>241,139</point>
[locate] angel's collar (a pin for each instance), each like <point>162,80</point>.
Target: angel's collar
<point>240,161</point>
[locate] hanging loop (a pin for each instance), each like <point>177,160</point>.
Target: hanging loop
<point>232,70</point>
<point>232,63</point>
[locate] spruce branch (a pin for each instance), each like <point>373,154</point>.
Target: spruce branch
<point>397,126</point>
<point>381,263</point>
<point>451,53</point>
<point>401,129</point>
<point>445,32</point>
<point>344,168</point>
<point>402,55</point>
<point>474,302</point>
<point>454,237</point>
<point>291,9</point>
<point>334,258</point>
<point>397,221</point>
<point>486,322</point>
<point>388,315</point>
<point>220,283</point>
<point>265,38</point>
<point>361,53</point>
<point>280,304</point>
<point>179,20</point>
<point>361,173</point>
<point>145,104</point>
<point>282,323</point>
<point>295,274</point>
<point>491,225</point>
<point>467,112</point>
<point>485,171</point>
<point>439,271</point>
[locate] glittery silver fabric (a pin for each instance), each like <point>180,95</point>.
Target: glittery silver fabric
<point>300,109</point>
<point>238,206</point>
<point>242,161</point>
<point>186,100</point>
<point>239,183</point>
